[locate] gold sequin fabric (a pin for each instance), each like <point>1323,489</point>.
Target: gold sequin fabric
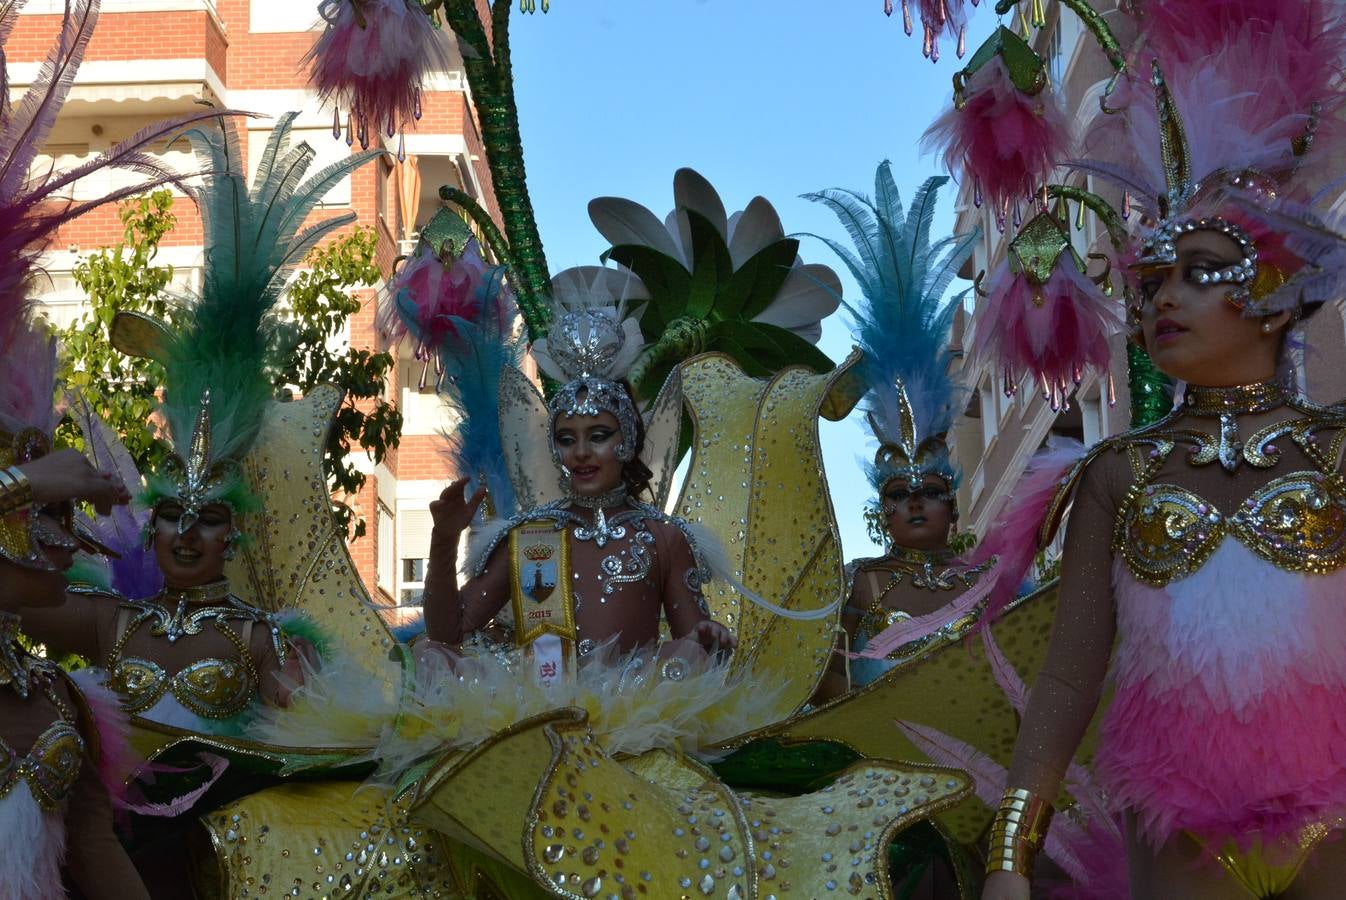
<point>211,688</point>
<point>660,826</point>
<point>50,767</point>
<point>327,839</point>
<point>1296,521</point>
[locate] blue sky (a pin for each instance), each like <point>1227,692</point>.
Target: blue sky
<point>770,97</point>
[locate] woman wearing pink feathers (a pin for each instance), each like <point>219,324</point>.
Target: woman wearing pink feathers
<point>1205,560</point>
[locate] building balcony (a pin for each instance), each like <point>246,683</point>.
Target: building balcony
<point>147,57</point>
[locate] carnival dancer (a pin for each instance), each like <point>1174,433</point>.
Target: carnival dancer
<point>599,565</point>
<point>902,325</point>
<point>195,655</point>
<point>1204,553</point>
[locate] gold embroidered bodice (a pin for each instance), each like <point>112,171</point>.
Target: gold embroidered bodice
<point>1296,521</point>
<point>919,569</point>
<point>51,765</point>
<point>211,687</point>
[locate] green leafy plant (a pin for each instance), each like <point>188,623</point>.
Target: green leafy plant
<point>322,304</point>
<point>120,388</point>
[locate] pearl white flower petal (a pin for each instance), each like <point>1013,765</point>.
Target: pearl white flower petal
<point>756,227</point>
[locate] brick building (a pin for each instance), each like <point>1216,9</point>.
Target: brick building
<point>152,59</point>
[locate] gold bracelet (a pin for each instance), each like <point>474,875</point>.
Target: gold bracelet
<point>1018,832</point>
<point>15,490</point>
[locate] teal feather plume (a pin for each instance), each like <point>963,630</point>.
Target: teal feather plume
<point>903,319</point>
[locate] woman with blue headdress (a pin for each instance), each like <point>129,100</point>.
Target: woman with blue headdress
<point>899,601</point>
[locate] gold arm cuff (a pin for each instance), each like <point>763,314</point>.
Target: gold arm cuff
<point>1018,832</point>
<point>15,491</point>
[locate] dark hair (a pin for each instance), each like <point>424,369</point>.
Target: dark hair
<point>635,473</point>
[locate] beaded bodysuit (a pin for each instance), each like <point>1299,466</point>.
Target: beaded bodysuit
<point>928,575</point>
<point>212,688</point>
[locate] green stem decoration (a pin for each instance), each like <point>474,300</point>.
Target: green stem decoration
<point>499,246</point>
<point>684,337</point>
<point>491,77</point>
<point>1092,20</point>
<point>1098,206</point>
<point>1150,399</point>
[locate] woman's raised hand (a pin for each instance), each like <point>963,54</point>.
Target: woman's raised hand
<point>453,511</point>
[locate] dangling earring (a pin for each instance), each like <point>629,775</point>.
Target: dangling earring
<point>230,545</point>
<point>564,480</point>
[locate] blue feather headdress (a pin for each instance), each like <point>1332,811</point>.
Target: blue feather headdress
<point>219,355</point>
<point>902,323</point>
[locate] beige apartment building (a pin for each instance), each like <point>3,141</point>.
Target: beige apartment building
<point>151,59</point>
<point>994,443</point>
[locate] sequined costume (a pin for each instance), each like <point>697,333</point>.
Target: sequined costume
<point>545,806</point>
<point>891,589</point>
<point>1215,727</point>
<point>54,811</point>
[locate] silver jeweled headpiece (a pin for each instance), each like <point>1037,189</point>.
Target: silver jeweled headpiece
<point>589,349</point>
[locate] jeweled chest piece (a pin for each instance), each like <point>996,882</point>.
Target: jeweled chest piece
<point>185,603</point>
<point>1227,404</point>
<point>600,532</point>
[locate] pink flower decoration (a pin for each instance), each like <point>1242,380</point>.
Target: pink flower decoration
<point>372,61</point>
<point>1055,330</point>
<point>1007,141</point>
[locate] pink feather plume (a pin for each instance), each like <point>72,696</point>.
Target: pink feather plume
<point>1054,331</point>
<point>33,208</point>
<point>427,296</point>
<point>1005,140</point>
<point>1092,853</point>
<point>116,758</point>
<point>1013,540</point>
<point>373,60</point>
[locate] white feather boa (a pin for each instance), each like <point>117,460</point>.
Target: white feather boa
<point>459,700</point>
<point>32,848</point>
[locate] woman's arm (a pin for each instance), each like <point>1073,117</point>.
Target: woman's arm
<point>684,604</point>
<point>452,612</point>
<point>76,626</point>
<point>95,861</point>
<point>1067,691</point>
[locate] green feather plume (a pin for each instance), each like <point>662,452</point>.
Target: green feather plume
<point>225,338</point>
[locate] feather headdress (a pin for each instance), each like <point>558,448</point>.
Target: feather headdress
<point>33,207</point>
<point>1223,99</point>
<point>902,323</point>
<point>218,354</point>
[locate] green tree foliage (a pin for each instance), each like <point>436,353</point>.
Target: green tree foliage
<point>321,304</point>
<point>320,301</point>
<point>118,387</point>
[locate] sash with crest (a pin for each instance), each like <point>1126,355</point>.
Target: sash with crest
<point>542,597</point>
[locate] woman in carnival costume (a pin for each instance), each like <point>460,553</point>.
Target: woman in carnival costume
<point>902,326</point>
<point>1204,552</point>
<point>194,655</point>
<point>55,813</point>
<point>612,562</point>
<point>541,764</point>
